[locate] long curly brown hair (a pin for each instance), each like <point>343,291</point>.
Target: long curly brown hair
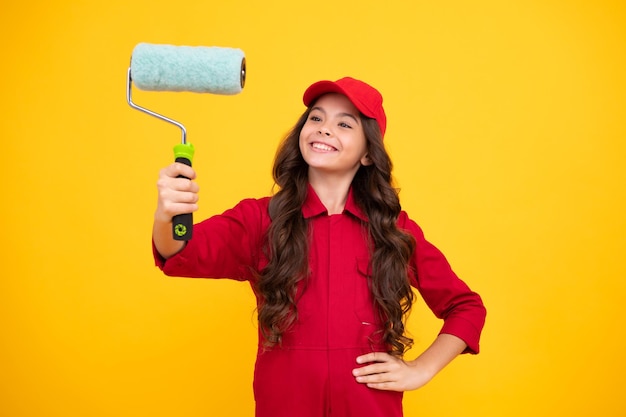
<point>287,240</point>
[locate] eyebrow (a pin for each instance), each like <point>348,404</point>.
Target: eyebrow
<point>340,114</point>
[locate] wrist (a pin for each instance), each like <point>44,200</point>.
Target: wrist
<point>162,219</point>
<point>423,368</point>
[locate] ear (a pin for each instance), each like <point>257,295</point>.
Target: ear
<point>365,161</point>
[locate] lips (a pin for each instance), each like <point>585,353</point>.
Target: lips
<point>322,147</point>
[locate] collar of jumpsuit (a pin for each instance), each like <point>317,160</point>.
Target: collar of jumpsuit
<point>313,206</point>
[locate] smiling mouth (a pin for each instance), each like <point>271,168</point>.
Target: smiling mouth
<point>322,147</point>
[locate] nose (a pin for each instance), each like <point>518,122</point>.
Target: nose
<point>324,131</point>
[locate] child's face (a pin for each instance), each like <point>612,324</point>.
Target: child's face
<point>332,140</point>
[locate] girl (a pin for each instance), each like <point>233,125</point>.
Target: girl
<point>332,260</point>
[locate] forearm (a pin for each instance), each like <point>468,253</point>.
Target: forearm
<point>163,239</point>
<point>440,353</point>
<point>385,372</point>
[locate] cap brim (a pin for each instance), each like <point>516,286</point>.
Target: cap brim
<point>319,88</point>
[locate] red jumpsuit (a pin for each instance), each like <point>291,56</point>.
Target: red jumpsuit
<point>311,374</point>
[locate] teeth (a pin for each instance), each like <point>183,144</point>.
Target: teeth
<point>322,147</point>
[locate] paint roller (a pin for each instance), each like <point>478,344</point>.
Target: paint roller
<point>199,69</point>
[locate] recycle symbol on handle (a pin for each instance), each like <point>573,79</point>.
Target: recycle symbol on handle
<point>180,229</point>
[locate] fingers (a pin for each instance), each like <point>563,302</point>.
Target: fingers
<point>383,372</point>
<point>380,363</point>
<point>374,357</point>
<point>376,376</point>
<point>176,195</point>
<point>183,185</point>
<point>176,169</point>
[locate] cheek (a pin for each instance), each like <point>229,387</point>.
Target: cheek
<point>301,140</point>
<point>361,144</point>
<point>304,133</point>
<point>302,144</point>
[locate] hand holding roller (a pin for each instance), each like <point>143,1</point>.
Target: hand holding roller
<point>198,69</point>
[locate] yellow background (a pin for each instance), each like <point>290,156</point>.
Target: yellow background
<point>506,127</point>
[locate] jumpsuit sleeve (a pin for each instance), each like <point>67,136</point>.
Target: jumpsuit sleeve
<point>449,298</point>
<point>228,245</point>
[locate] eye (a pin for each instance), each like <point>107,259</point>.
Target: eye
<point>345,125</point>
<point>315,118</point>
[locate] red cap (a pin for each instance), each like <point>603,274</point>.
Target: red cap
<point>364,97</point>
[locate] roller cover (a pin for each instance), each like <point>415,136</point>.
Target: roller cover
<point>199,69</point>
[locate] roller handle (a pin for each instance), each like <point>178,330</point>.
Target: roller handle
<point>182,224</point>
